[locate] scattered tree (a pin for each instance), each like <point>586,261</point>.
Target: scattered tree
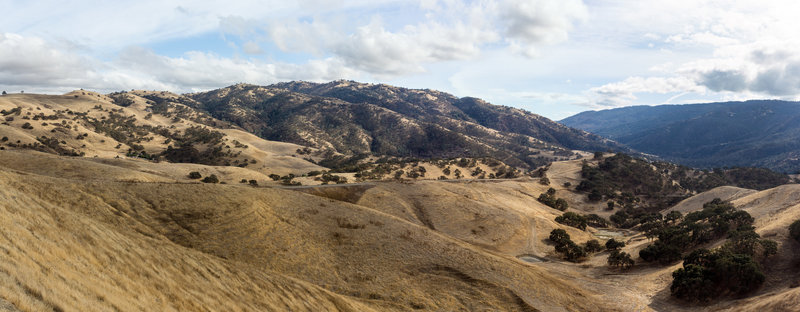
<point>194,175</point>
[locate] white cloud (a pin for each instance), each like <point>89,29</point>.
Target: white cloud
<point>531,23</point>
<point>624,92</point>
<point>32,61</point>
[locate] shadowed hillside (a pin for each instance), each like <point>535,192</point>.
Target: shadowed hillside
<point>752,133</point>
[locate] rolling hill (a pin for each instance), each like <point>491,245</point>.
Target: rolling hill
<point>752,133</point>
<point>98,211</point>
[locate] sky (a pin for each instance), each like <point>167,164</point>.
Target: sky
<point>552,57</point>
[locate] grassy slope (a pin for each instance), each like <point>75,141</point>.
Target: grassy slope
<point>80,244</point>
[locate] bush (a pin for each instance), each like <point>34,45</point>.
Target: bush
<point>572,219</point>
<point>194,175</point>
<point>573,252</point>
<point>794,230</point>
<point>559,236</point>
<point>708,274</point>
<point>620,259</point>
<point>593,246</point>
<point>550,200</point>
<point>596,221</point>
<point>613,244</point>
<point>210,179</point>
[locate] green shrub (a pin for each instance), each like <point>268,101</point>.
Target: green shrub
<point>709,274</point>
<point>194,175</point>
<point>794,230</point>
<point>593,246</point>
<point>559,236</point>
<point>210,179</point>
<point>620,259</point>
<point>613,244</point>
<point>572,219</point>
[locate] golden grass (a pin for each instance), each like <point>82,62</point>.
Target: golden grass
<point>107,245</point>
<point>80,234</point>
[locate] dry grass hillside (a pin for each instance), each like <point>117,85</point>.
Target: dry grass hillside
<point>76,242</point>
<point>131,125</point>
<point>96,234</point>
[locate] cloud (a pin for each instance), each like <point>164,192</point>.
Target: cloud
<point>624,92</point>
<point>32,61</point>
<point>532,23</point>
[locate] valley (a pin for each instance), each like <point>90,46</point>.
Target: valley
<point>108,204</point>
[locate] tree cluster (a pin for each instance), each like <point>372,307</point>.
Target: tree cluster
<point>549,199</point>
<point>564,245</point>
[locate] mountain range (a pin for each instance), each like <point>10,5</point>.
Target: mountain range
<point>763,133</point>
<point>353,118</point>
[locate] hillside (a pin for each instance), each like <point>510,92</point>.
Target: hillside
<point>125,226</point>
<point>150,126</point>
<point>354,118</point>
<point>752,133</point>
<point>116,244</point>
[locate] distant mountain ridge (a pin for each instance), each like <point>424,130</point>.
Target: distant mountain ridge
<point>352,118</point>
<point>761,133</point>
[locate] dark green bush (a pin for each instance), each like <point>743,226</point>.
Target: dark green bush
<point>620,259</point>
<point>210,179</point>
<point>194,175</point>
<point>593,246</point>
<point>572,219</point>
<point>559,236</point>
<point>794,230</point>
<point>613,244</point>
<point>709,274</point>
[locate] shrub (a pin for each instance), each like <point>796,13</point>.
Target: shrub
<point>794,230</point>
<point>596,221</point>
<point>572,219</point>
<point>559,236</point>
<point>708,274</point>
<point>210,179</point>
<point>194,175</point>
<point>550,200</point>
<point>573,252</point>
<point>593,246</point>
<point>613,244</point>
<point>274,177</point>
<point>253,182</point>
<point>620,259</point>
